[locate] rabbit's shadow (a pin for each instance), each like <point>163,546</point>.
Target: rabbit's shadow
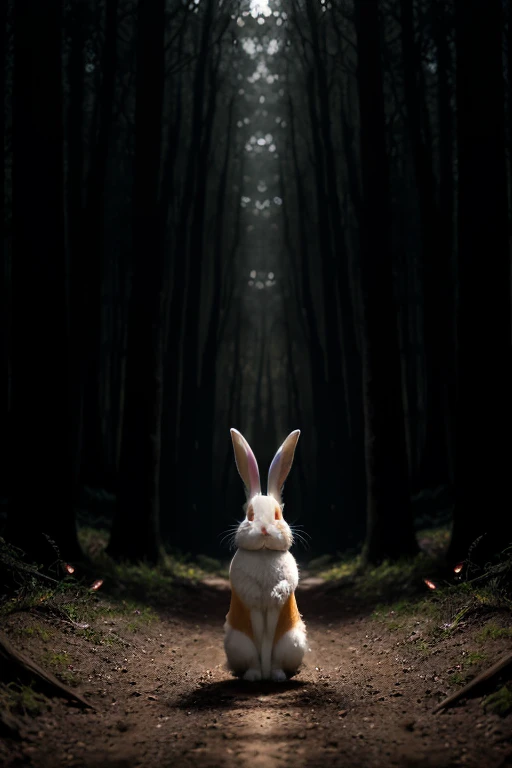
<point>228,692</point>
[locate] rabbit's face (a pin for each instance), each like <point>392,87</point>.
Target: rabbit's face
<point>264,527</point>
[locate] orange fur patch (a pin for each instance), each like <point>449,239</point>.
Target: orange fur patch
<point>278,514</point>
<point>288,618</point>
<point>239,616</point>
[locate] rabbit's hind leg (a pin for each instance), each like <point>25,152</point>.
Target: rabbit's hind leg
<point>242,654</point>
<point>288,653</point>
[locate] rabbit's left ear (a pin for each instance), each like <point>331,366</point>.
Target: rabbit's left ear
<point>281,465</point>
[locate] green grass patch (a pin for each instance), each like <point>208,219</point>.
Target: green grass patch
<point>493,632</point>
<point>55,659</point>
<point>458,679</point>
<point>499,702</point>
<point>474,658</point>
<point>35,631</point>
<point>22,699</point>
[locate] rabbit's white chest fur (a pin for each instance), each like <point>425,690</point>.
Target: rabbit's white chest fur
<point>264,578</point>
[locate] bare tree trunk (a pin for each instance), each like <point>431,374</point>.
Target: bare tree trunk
<point>136,529</point>
<point>390,532</point>
<point>41,441</point>
<point>484,350</point>
<point>437,284</point>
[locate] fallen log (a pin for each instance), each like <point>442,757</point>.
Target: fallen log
<point>16,665</point>
<point>478,682</point>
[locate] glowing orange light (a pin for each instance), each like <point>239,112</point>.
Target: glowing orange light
<point>69,568</point>
<point>97,584</point>
<point>458,568</point>
<point>430,584</point>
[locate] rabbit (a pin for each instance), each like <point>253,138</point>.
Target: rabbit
<point>264,635</point>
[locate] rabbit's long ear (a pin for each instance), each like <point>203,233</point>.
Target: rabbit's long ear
<point>246,463</point>
<point>281,465</point>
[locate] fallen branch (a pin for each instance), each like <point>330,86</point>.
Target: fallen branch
<point>14,664</point>
<point>477,682</point>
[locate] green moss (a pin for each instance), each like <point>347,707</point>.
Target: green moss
<point>23,699</point>
<point>55,660</point>
<point>499,702</point>
<point>493,632</point>
<point>35,631</point>
<point>475,658</point>
<point>458,679</point>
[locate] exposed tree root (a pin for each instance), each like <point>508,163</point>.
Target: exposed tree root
<point>478,682</point>
<point>15,665</point>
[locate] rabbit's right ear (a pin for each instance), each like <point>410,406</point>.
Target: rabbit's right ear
<point>246,463</point>
<point>281,465</point>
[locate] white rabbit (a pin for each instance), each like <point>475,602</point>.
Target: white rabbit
<point>265,637</point>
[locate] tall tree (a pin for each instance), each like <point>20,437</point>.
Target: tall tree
<point>42,465</point>
<point>484,353</point>
<point>390,532</point>
<point>136,528</point>
<point>435,258</point>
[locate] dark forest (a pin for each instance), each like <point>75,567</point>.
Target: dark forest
<point>267,215</point>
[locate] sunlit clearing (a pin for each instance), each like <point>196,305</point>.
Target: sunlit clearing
<point>260,8</point>
<point>430,584</point>
<point>96,584</point>
<point>458,568</point>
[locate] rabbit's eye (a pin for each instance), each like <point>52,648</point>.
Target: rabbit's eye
<point>250,514</point>
<point>277,514</point>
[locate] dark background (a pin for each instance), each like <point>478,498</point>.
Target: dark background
<point>261,216</point>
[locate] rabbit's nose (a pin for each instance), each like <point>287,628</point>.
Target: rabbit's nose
<point>264,531</point>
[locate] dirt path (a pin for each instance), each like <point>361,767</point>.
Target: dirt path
<point>164,698</point>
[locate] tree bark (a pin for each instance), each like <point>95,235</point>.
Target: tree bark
<point>390,532</point>
<point>483,414</point>
<point>136,529</point>
<point>41,441</point>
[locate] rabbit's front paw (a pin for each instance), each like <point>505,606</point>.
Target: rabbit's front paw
<point>278,676</point>
<point>281,591</point>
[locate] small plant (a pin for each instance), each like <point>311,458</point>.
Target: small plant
<point>458,679</point>
<point>474,658</point>
<point>55,660</point>
<point>23,699</point>
<point>499,702</point>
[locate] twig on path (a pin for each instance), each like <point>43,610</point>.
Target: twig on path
<point>485,677</point>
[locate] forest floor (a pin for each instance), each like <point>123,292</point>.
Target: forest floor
<point>162,696</point>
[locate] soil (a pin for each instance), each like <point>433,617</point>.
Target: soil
<point>163,697</point>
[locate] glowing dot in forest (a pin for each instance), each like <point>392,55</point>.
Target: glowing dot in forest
<point>260,8</point>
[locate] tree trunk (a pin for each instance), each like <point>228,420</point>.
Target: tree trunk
<point>94,465</point>
<point>438,296</point>
<point>484,353</point>
<point>41,443</point>
<point>136,529</point>
<point>390,532</point>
